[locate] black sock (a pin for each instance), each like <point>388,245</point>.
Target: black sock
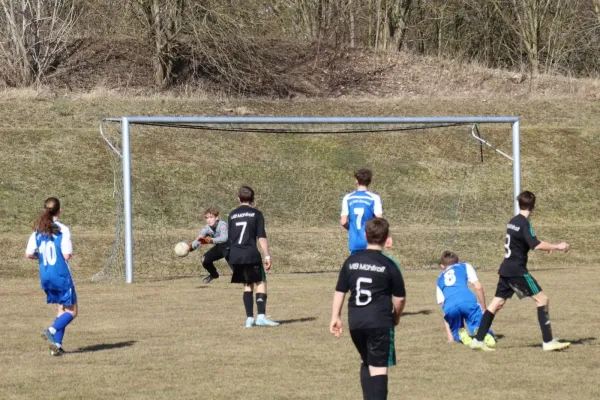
<point>261,303</point>
<point>248,304</point>
<point>484,326</point>
<point>365,381</point>
<point>544,320</point>
<point>379,387</point>
<point>211,270</point>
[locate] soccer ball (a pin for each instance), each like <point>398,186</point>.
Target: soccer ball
<point>182,249</point>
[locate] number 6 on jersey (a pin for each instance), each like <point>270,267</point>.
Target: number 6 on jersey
<point>363,292</point>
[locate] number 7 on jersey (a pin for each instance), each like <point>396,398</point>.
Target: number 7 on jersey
<point>243,225</point>
<point>359,212</point>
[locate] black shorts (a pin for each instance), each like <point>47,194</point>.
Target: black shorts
<point>376,346</point>
<point>523,286</point>
<point>248,273</point>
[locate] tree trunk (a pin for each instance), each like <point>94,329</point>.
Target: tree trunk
<point>399,12</point>
<point>164,19</point>
<point>352,27</point>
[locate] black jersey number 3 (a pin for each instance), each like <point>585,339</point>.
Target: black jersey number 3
<point>507,246</point>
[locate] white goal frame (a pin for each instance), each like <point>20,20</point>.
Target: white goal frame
<point>126,123</point>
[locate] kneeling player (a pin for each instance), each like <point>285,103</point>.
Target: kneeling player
<point>458,302</point>
<point>215,231</point>
<point>376,302</point>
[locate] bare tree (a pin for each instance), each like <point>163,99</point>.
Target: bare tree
<point>399,12</point>
<point>34,36</point>
<point>163,20</point>
<point>533,21</point>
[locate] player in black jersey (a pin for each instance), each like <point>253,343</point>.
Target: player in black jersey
<point>376,302</point>
<point>515,278</point>
<point>246,224</point>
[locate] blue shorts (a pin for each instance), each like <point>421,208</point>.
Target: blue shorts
<point>469,312</point>
<point>63,297</point>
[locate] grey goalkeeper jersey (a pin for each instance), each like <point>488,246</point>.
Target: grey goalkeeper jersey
<point>219,233</point>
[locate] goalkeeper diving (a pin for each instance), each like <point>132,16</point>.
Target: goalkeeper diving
<point>214,232</point>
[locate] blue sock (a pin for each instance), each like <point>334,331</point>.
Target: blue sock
<point>58,336</point>
<point>61,322</point>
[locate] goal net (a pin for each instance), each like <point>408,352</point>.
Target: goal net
<point>443,187</point>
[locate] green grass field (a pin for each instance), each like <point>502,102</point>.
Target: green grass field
<point>177,338</point>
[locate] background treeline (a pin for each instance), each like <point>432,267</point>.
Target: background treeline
<point>238,42</point>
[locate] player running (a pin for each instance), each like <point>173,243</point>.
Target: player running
<point>50,244</point>
<point>515,278</point>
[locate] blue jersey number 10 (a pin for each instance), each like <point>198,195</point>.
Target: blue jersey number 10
<point>48,252</point>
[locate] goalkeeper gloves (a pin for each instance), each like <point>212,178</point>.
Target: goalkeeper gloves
<point>199,242</point>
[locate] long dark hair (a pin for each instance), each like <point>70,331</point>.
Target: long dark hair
<point>45,222</point>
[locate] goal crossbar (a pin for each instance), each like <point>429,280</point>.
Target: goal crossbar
<point>127,121</point>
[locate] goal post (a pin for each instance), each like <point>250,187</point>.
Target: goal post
<point>127,123</point>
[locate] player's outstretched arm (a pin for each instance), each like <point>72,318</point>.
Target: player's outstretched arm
<point>335,326</point>
<point>196,243</point>
<point>398,304</point>
<point>222,233</point>
<point>550,247</point>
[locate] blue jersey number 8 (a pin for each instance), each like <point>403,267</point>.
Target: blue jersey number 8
<point>449,278</point>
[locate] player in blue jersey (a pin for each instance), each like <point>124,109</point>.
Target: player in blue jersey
<point>357,208</point>
<point>458,302</point>
<point>50,244</point>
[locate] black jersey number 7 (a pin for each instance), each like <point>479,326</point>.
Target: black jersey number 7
<point>243,224</point>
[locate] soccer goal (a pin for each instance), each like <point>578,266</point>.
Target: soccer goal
<point>445,182</point>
